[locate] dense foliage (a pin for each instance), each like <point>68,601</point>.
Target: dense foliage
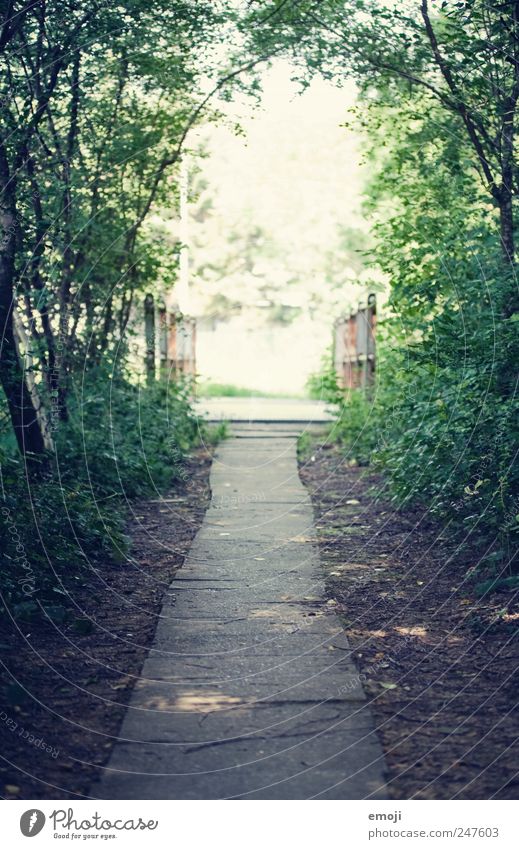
<point>96,102</point>
<point>121,441</point>
<point>442,418</point>
<point>446,406</point>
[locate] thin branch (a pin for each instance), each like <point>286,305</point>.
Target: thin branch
<point>460,104</point>
<point>171,159</point>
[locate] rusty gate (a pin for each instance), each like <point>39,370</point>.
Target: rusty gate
<point>175,342</point>
<point>354,346</point>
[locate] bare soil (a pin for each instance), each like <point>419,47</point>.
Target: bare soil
<point>439,662</point>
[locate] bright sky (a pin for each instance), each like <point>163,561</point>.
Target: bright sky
<point>296,166</point>
<point>296,175</point>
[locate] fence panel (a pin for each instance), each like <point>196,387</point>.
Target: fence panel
<point>354,346</point>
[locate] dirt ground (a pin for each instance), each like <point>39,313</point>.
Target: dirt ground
<point>438,662</point>
<point>65,686</point>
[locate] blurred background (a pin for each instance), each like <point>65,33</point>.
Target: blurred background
<point>275,236</point>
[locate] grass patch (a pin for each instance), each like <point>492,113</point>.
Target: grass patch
<point>208,389</point>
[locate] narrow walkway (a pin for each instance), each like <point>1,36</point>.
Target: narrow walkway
<point>249,690</point>
<point>263,410</point>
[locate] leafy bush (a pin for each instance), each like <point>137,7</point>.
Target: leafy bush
<point>353,427</point>
<point>323,385</point>
<point>122,441</point>
<point>133,438</point>
<point>449,437</point>
<point>443,419</point>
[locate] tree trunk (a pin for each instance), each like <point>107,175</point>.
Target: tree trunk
<point>23,346</point>
<point>35,282</point>
<point>506,190</point>
<point>26,424</point>
<point>149,334</point>
<point>68,268</point>
<point>507,226</point>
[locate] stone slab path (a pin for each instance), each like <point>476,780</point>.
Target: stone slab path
<point>263,410</point>
<point>249,691</point>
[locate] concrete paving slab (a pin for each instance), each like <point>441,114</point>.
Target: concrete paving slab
<point>269,675</point>
<point>203,643</point>
<point>303,762</point>
<point>165,692</point>
<point>209,718</point>
<point>263,410</point>
<point>231,548</point>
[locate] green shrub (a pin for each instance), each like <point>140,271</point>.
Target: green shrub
<point>442,421</point>
<point>355,428</point>
<point>121,441</point>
